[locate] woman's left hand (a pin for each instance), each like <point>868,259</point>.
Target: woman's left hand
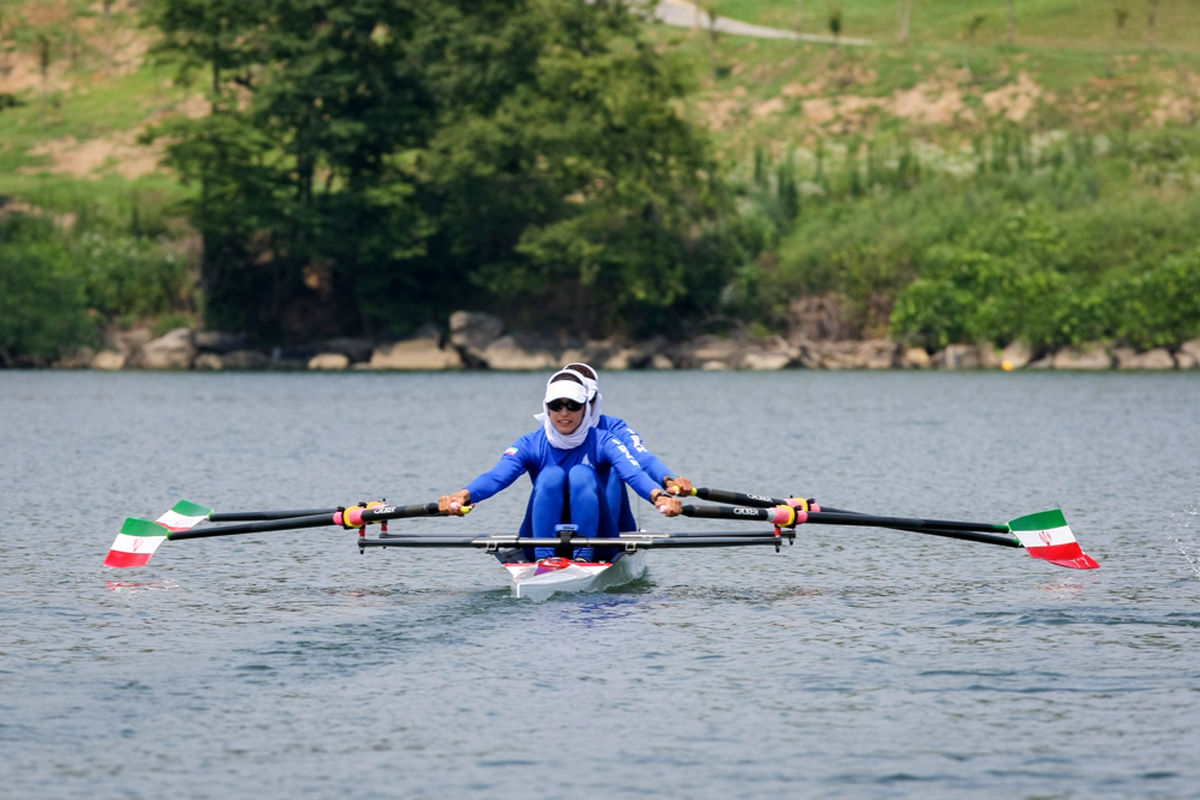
<point>678,485</point>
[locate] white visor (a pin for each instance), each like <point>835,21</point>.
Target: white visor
<point>588,382</point>
<point>566,389</point>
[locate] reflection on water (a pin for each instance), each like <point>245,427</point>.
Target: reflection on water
<point>138,586</point>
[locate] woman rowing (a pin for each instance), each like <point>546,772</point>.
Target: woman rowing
<point>562,458</point>
<point>618,511</point>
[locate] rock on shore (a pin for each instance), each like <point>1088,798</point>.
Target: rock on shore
<point>478,341</point>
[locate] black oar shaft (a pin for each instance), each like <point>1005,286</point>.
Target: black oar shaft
<point>309,521</point>
<point>902,523</point>
<point>738,498</point>
<point>841,518</point>
<point>984,532</point>
<point>248,516</point>
<point>966,536</point>
<point>353,517</point>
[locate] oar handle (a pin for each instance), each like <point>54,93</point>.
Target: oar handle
<point>783,516</point>
<point>744,498</point>
<point>358,516</point>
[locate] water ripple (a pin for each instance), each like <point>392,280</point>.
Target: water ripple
<point>858,663</point>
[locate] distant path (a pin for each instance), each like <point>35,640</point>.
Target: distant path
<point>687,15</point>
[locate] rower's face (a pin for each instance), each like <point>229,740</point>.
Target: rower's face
<point>566,421</point>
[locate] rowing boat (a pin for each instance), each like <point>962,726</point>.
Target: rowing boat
<point>544,577</point>
<point>1044,535</point>
<point>538,579</point>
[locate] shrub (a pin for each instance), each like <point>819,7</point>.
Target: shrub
<point>1160,307</point>
<point>43,313</point>
<point>126,275</point>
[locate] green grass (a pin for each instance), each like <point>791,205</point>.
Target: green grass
<point>93,109</point>
<point>1057,24</point>
<point>769,93</point>
<point>776,93</point>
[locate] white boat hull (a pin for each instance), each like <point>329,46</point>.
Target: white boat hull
<point>539,580</point>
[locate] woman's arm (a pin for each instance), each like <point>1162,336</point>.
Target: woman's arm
<point>630,471</point>
<point>510,467</point>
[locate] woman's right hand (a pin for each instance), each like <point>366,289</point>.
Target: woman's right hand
<point>455,504</point>
<point>666,504</point>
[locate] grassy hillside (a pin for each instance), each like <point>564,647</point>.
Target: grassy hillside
<point>1044,24</point>
<point>1069,66</point>
<point>1077,126</point>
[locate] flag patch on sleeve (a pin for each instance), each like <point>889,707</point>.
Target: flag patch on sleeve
<point>512,451</point>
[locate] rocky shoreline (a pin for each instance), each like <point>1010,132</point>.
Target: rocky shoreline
<point>479,341</point>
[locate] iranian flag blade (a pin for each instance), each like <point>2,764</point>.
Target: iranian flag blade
<point>184,516</point>
<point>1047,535</point>
<point>139,538</point>
<point>136,542</point>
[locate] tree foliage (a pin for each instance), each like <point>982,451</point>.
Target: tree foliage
<point>372,164</point>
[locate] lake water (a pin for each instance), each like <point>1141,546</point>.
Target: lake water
<point>858,663</point>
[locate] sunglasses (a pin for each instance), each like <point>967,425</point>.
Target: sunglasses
<point>559,405</point>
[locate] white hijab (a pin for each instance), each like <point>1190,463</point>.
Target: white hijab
<point>594,398</point>
<point>570,390</point>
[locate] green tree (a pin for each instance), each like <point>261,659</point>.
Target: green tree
<point>372,164</point>
<point>614,179</point>
<point>314,105</point>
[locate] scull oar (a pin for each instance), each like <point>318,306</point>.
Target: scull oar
<point>140,538</point>
<point>1044,535</point>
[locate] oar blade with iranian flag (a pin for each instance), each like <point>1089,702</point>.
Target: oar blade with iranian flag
<point>139,538</point>
<point>1046,535</point>
<point>184,515</point>
<point>136,542</point>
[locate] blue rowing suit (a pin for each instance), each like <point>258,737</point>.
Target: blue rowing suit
<point>614,492</point>
<point>561,474</point>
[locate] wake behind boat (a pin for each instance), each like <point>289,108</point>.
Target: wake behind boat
<point>1044,535</point>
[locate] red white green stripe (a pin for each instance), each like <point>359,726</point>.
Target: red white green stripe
<point>139,538</point>
<point>1047,535</point>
